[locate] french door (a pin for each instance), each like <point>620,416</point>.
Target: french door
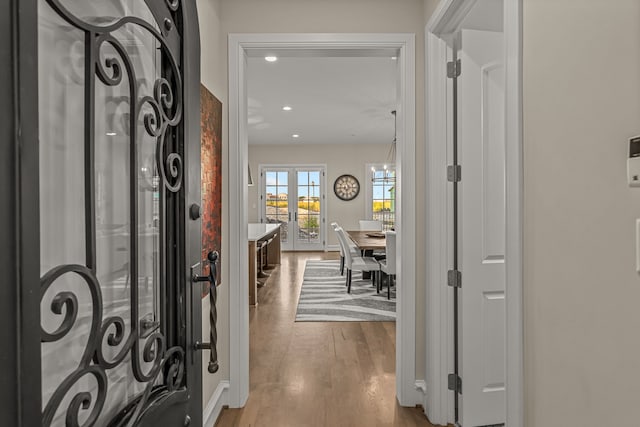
<point>294,197</point>
<point>111,180</point>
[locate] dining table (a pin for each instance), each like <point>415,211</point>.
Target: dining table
<point>368,240</point>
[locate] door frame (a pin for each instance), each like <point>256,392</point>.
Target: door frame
<point>294,167</point>
<point>239,44</point>
<point>439,298</point>
<point>19,225</point>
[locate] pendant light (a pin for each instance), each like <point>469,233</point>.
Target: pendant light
<point>391,156</point>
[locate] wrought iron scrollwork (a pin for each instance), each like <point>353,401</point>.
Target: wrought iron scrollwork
<point>160,114</point>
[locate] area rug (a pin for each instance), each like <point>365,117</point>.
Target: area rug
<point>324,297</point>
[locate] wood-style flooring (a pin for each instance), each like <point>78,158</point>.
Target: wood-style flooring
<point>317,374</point>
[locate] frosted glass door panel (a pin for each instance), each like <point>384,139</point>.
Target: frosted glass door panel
<point>105,122</point>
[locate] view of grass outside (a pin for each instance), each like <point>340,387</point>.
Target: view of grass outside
<point>308,206</point>
<point>276,200</point>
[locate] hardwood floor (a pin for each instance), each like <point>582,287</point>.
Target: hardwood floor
<point>317,374</point>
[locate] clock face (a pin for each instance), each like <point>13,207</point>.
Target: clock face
<point>346,187</point>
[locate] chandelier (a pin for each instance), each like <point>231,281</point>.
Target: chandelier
<point>388,175</point>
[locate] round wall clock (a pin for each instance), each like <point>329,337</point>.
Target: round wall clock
<point>346,187</point>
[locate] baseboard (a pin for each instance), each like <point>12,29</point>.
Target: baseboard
<point>332,248</point>
<point>421,387</point>
<point>214,407</point>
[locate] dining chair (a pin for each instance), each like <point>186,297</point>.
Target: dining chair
<point>358,263</point>
<point>370,225</point>
<point>388,265</point>
<point>352,247</point>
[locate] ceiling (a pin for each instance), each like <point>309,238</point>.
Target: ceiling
<point>333,100</point>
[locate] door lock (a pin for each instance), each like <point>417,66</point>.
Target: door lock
<point>194,211</point>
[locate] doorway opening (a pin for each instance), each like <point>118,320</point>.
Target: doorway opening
<point>242,46</point>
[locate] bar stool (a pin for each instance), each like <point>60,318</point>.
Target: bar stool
<point>262,250</point>
<point>267,266</point>
<point>260,247</point>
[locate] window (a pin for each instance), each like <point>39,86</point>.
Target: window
<point>382,195</point>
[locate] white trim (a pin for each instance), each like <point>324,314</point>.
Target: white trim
<point>405,217</point>
<point>448,16</point>
<point>515,210</point>
<point>214,406</point>
<point>239,46</point>
<point>438,400</point>
<point>332,248</point>
<point>438,299</point>
<point>238,220</point>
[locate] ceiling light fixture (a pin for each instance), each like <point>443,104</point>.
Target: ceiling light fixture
<point>295,135</point>
<point>111,134</point>
<point>271,58</point>
<point>286,108</point>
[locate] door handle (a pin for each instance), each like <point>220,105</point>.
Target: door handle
<point>289,216</point>
<point>295,216</point>
<point>212,258</point>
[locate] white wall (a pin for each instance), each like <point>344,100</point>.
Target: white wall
<point>213,69</point>
<point>581,104</point>
<point>339,158</point>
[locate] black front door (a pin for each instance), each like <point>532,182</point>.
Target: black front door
<point>118,166</point>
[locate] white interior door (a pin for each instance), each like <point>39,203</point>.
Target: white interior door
<point>481,145</point>
<point>294,197</point>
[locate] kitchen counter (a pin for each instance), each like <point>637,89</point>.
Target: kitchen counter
<point>259,232</point>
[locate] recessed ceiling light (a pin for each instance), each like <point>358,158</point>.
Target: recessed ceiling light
<point>295,135</point>
<point>286,108</point>
<point>394,57</point>
<point>271,58</point>
<point>111,134</point>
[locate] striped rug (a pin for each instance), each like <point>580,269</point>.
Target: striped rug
<point>324,297</point>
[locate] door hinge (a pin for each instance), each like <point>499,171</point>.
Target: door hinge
<point>454,278</point>
<point>455,383</point>
<point>454,173</point>
<point>453,69</point>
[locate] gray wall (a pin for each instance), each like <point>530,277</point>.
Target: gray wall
<point>581,104</point>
